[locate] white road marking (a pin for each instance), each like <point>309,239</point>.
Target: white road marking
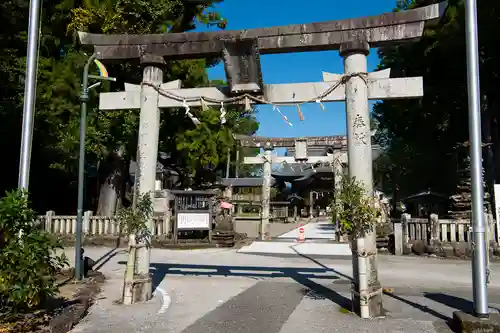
<point>165,302</point>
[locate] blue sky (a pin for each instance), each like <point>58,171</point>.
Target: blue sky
<point>298,67</point>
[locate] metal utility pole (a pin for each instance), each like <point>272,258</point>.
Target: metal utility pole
<point>29,94</point>
<point>479,259</point>
<point>84,97</point>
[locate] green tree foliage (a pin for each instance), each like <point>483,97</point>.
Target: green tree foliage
<point>133,220</point>
<point>203,148</point>
<point>29,263</point>
<point>420,136</point>
<point>111,135</point>
<point>355,211</point>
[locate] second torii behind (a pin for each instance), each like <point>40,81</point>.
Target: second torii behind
<point>335,154</point>
<point>335,143</point>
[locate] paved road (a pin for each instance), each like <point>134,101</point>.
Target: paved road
<point>318,228</point>
<point>218,290</point>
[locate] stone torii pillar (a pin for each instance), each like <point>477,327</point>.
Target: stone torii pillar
<point>266,193</point>
<point>147,158</point>
<point>367,293</point>
<point>340,159</point>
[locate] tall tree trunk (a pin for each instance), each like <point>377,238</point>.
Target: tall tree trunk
<point>112,173</point>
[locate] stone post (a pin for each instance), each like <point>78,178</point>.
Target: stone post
<point>367,291</point>
<point>237,163</point>
<point>488,236</point>
<point>86,221</point>
<point>266,193</point>
<point>228,193</point>
<point>48,221</point>
<point>434,224</point>
<point>167,226</point>
<point>147,157</point>
<point>405,218</point>
<point>398,237</point>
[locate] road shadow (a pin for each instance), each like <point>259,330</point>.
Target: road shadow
<point>301,275</point>
<point>107,257</point>
<point>451,301</point>
<point>417,306</point>
<point>318,291</point>
<point>326,226</point>
<point>423,308</point>
<point>326,268</point>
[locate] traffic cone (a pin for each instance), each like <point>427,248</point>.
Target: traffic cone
<point>302,233</point>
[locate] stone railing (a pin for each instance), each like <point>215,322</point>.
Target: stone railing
<point>408,231</point>
<point>92,224</point>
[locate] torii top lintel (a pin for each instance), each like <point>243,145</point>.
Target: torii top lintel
<point>337,141</point>
<point>377,30</point>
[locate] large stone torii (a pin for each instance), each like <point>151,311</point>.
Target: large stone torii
<point>352,37</point>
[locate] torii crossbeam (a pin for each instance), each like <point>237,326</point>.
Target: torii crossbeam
<point>380,87</point>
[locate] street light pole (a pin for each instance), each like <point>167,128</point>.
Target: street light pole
<point>479,259</point>
<point>29,94</point>
<point>84,97</point>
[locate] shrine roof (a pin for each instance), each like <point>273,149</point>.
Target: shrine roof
<point>314,172</point>
<point>296,173</point>
<point>429,196</point>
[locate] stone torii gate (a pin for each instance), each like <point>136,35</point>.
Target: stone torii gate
<point>240,49</point>
<point>338,158</point>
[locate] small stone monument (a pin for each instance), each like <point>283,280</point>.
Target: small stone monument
<point>223,234</point>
